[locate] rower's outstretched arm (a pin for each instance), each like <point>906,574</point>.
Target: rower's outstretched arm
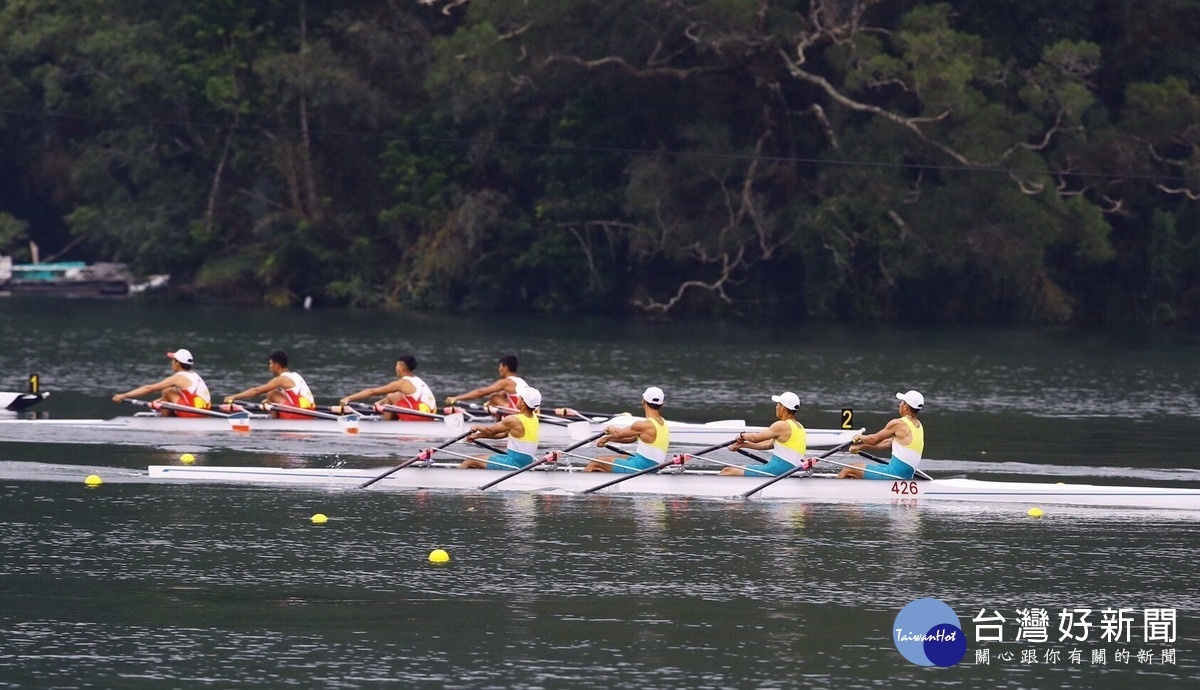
<point>277,382</point>
<point>616,434</point>
<point>148,388</point>
<point>392,387</point>
<point>497,387</point>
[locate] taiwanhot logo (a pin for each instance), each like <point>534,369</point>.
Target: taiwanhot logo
<point>927,632</point>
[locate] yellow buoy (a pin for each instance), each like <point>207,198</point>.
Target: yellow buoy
<point>93,480</point>
<point>1035,512</point>
<point>187,458</point>
<point>439,556</point>
<point>320,519</point>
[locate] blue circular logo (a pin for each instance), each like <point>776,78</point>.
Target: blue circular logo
<point>927,632</point>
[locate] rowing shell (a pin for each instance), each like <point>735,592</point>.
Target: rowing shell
<point>705,484</point>
<point>682,433</point>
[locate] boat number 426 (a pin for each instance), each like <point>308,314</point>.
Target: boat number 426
<point>904,488</point>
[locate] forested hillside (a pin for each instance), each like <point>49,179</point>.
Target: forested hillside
<point>972,161</point>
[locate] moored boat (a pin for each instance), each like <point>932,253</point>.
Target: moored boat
<point>704,484</point>
<point>74,279</point>
<point>18,402</point>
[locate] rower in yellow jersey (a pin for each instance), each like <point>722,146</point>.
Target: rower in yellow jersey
<point>904,436</point>
<point>786,438</point>
<point>651,434</point>
<point>521,429</point>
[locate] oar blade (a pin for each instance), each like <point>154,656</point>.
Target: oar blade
<point>348,423</point>
<point>240,421</point>
<point>579,430</point>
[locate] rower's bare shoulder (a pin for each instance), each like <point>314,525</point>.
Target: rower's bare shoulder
<point>781,426</point>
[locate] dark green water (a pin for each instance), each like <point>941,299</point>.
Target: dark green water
<point>138,584</point>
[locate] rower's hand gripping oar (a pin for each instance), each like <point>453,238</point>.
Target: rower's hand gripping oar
<point>423,455</point>
<point>238,421</point>
<point>677,460</point>
<point>806,465</point>
<point>550,458</point>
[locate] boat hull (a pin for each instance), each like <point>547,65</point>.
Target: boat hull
<point>682,433</point>
<point>704,485</point>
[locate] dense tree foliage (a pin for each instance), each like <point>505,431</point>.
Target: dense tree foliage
<point>964,161</point>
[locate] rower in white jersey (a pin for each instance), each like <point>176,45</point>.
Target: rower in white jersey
<point>407,391</point>
<point>521,429</point>
<point>786,439</point>
<point>503,392</point>
<point>285,388</point>
<point>651,434</point>
<point>182,387</point>
<point>904,436</point>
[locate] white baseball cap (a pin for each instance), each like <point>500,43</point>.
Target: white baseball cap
<point>654,395</point>
<point>182,356</point>
<point>789,400</point>
<point>531,395</point>
<point>914,399</point>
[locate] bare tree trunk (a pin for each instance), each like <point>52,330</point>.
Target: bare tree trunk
<point>310,184</point>
<point>210,209</point>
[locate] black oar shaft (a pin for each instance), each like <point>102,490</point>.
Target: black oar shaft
<point>487,446</point>
<point>752,456</point>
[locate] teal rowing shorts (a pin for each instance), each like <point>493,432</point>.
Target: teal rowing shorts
<point>774,468</point>
<point>897,469</point>
<point>509,461</point>
<point>631,464</point>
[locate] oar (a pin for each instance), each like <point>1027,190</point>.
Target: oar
<point>419,456</point>
<point>346,422</point>
<point>245,405</point>
<point>752,456</point>
<point>239,421</point>
<point>303,411</point>
<point>585,415</point>
<point>488,447</point>
<point>365,408</point>
<point>454,420</point>
<point>396,409</point>
<point>504,409</point>
<point>659,466</point>
<point>881,461</point>
<point>361,408</point>
<point>794,470</point>
<point>552,456</point>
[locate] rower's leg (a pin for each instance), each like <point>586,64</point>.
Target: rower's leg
<point>855,472</point>
<point>599,466</point>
